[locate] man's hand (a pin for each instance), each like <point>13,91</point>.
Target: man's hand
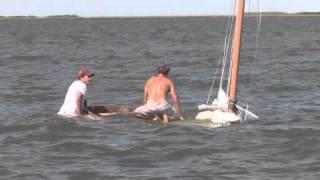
<point>181,118</point>
<point>95,116</point>
<point>98,118</point>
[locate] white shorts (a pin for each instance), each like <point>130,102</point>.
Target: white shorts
<point>153,108</point>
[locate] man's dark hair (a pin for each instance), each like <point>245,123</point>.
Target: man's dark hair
<point>163,69</point>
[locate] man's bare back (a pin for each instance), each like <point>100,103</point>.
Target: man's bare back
<point>157,88</point>
<point>155,95</point>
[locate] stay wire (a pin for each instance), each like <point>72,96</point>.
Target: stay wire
<point>226,52</point>
<point>258,29</point>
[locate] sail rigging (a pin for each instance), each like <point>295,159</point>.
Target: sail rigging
<point>225,108</point>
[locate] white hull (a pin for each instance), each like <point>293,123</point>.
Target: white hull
<point>87,116</point>
<point>219,117</point>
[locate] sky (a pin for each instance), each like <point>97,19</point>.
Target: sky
<point>90,8</point>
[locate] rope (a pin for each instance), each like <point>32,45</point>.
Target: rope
<point>227,48</point>
<point>225,55</point>
<point>231,49</point>
<point>258,28</point>
<point>227,51</point>
<point>246,109</point>
<point>253,67</point>
<point>212,84</point>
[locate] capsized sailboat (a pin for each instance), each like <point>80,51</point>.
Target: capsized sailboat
<point>224,109</point>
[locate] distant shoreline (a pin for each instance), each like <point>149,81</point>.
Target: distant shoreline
<point>264,14</point>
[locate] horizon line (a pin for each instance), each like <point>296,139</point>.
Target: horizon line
<point>266,13</point>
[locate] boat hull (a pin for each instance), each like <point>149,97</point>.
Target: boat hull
<point>219,117</point>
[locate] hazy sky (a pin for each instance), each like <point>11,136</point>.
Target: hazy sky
<point>145,7</point>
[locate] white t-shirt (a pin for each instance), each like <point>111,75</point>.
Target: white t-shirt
<point>69,106</point>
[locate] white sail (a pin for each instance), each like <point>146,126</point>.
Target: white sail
<point>221,102</point>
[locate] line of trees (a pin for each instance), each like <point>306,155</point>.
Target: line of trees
<point>53,16</point>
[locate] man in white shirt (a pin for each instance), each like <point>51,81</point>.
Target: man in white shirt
<point>74,103</point>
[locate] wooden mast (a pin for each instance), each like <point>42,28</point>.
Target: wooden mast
<point>236,54</point>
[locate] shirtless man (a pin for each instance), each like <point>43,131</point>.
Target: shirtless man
<point>74,104</point>
<point>155,97</point>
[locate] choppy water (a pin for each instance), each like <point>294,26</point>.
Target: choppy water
<point>40,58</point>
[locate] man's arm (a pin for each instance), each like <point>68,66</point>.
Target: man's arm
<point>93,114</point>
<point>145,94</point>
<point>176,100</point>
<point>79,98</point>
